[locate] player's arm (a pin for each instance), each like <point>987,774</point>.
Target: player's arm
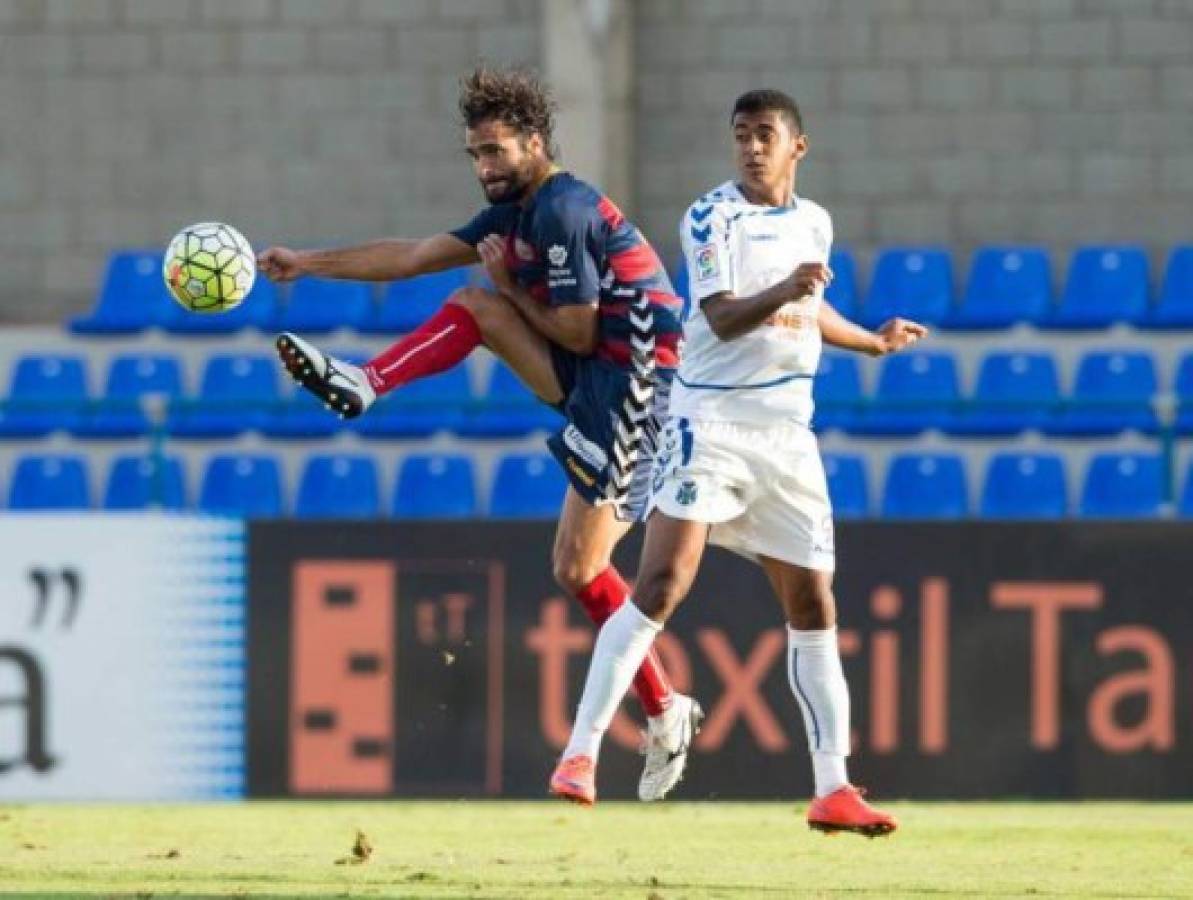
<point>730,316</point>
<point>383,260</point>
<point>572,326</point>
<point>895,335</point>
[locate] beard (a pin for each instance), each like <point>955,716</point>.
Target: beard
<point>510,189</point>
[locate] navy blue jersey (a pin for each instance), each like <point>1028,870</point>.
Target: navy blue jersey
<point>571,244</point>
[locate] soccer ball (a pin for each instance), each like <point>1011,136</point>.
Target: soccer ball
<point>209,267</point>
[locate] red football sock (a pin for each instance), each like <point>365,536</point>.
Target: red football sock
<point>438,344</point>
<point>600,598</point>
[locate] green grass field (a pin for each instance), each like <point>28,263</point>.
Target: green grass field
<point>542,849</point>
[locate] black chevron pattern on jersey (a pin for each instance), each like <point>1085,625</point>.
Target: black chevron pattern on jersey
<point>636,424</point>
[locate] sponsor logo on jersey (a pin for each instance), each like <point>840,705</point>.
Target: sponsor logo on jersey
<point>766,236</point>
<point>587,450</point>
<point>819,240</point>
<point>707,266</point>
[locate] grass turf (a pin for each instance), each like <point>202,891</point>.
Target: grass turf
<point>542,849</point>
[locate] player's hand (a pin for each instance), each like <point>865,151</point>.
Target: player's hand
<point>808,278</point>
<point>280,264</point>
<point>898,334</point>
<point>492,253</point>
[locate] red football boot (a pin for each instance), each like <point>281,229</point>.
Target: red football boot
<point>575,779</point>
<point>845,810</point>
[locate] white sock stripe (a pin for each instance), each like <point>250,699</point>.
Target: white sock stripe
<point>409,353</point>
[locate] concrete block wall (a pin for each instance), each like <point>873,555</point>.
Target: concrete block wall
<point>308,121</point>
<point>953,121</point>
<point>959,122</point>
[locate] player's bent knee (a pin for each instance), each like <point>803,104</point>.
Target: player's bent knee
<point>812,606</point>
<point>489,310</point>
<point>574,575</point>
<point>659,591</point>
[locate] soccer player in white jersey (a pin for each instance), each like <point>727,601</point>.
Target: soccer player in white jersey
<point>740,467</point>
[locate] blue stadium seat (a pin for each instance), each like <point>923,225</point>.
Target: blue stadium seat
<point>1123,486</point>
<point>339,486</point>
<point>1112,394</point>
<point>1006,285</point>
<point>843,292</point>
<point>132,380</point>
<point>916,391</point>
<point>238,394</point>
<point>1025,486</point>
<point>925,486</point>
<point>320,305</point>
<point>421,407</point>
<point>132,297</point>
<point>683,287</point>
<point>848,487</point>
<point>303,415</point>
<point>1174,308</point>
<point>509,409</point>
<point>1105,285</point>
<point>527,486</point>
<point>1016,391</point>
<point>408,303</point>
<point>1184,394</point>
<point>914,282</point>
<point>248,486</point>
<point>145,482</point>
<point>50,482</point>
<point>47,393</point>
<point>258,310</point>
<point>837,391</point>
<point>435,486</point>
<point>1185,506</point>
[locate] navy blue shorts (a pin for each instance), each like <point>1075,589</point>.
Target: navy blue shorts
<point>613,417</point>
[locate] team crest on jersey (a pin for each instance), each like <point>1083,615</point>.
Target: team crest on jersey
<point>557,255</point>
<point>685,495</point>
<point>707,266</point>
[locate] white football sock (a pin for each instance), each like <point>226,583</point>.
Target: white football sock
<point>622,644</point>
<point>818,682</point>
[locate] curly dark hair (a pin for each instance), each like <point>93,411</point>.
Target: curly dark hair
<point>516,97</point>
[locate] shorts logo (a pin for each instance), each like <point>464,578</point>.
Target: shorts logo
<point>557,255</point>
<point>576,469</point>
<point>686,494</point>
<point>706,263</point>
<point>587,450</point>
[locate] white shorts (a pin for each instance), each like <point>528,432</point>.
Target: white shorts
<point>761,487</point>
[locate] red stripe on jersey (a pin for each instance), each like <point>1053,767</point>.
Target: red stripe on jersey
<point>664,299</point>
<point>610,213</point>
<point>636,264</point>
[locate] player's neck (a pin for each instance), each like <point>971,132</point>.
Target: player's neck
<point>538,182</point>
<point>782,194</point>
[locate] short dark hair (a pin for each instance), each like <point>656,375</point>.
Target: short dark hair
<point>770,100</point>
<point>516,97</point>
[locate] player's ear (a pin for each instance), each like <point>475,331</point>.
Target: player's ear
<point>535,144</point>
<point>801,146</point>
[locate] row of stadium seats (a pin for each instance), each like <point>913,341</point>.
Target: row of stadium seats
<point>241,393</point>
<point>331,485</point>
<point>925,485</point>
<point>1015,391</point>
<point>1004,286</point>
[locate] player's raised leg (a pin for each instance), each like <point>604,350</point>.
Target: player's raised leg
<point>670,560</point>
<point>817,681</point>
<point>582,564</point>
<point>470,317</point>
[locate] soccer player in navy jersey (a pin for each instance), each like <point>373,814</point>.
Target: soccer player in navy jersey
<point>581,310</point>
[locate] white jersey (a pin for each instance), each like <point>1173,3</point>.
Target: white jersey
<point>733,245</point>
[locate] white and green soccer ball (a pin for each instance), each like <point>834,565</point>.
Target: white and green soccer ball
<point>209,267</point>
